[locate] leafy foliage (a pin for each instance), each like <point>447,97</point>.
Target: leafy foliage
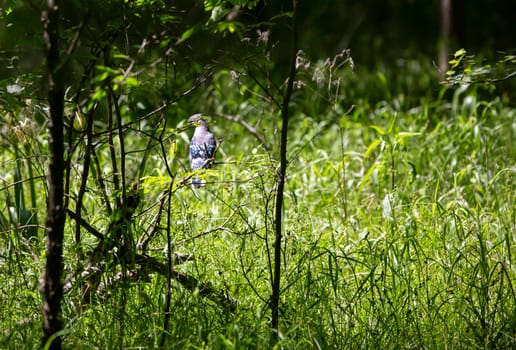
<point>465,69</point>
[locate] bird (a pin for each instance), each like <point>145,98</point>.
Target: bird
<point>202,147</point>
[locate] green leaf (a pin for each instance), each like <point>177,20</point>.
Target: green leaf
<point>379,129</point>
<point>120,56</point>
<point>149,183</point>
<point>218,13</point>
<point>288,14</point>
<point>168,19</point>
<point>231,27</point>
<point>368,174</point>
<point>97,96</point>
<point>172,149</point>
<point>372,147</point>
<point>404,135</point>
<point>131,81</point>
<point>188,33</point>
<point>210,4</point>
<point>459,53</point>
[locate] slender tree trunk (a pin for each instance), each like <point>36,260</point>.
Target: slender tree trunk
<point>276,285</point>
<point>446,32</point>
<point>452,31</point>
<point>52,288</point>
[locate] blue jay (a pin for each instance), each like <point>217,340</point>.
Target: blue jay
<point>202,147</point>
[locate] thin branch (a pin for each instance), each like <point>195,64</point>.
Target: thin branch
<point>84,177</point>
<point>75,41</point>
<point>13,184</point>
<point>120,140</point>
<point>80,221</point>
<point>168,296</point>
<point>497,80</point>
<point>101,183</point>
<point>166,104</point>
<point>246,277</point>
<point>264,88</point>
<point>252,130</point>
<point>155,226</point>
<point>205,233</point>
<point>110,131</point>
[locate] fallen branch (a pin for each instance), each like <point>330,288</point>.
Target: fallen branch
<point>205,289</point>
<point>146,265</point>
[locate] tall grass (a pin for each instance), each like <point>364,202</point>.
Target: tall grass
<point>398,234</point>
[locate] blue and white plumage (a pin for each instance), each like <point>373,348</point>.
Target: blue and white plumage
<point>202,147</point>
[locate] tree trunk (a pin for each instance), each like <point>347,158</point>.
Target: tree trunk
<point>276,286</point>
<point>452,31</point>
<point>52,288</point>
<point>446,31</point>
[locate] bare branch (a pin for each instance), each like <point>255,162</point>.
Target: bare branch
<point>252,130</point>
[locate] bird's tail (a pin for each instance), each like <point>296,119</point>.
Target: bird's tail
<point>197,182</point>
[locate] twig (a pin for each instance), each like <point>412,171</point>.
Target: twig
<point>85,224</point>
<point>252,130</point>
<point>110,132</point>
<point>168,296</point>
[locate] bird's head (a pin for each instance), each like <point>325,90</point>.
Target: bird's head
<point>198,119</point>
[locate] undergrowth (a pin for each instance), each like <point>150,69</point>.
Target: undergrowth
<point>398,234</point>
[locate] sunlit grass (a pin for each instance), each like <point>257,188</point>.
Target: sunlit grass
<point>398,233</point>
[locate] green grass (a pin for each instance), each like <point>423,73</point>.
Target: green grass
<point>398,235</point>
